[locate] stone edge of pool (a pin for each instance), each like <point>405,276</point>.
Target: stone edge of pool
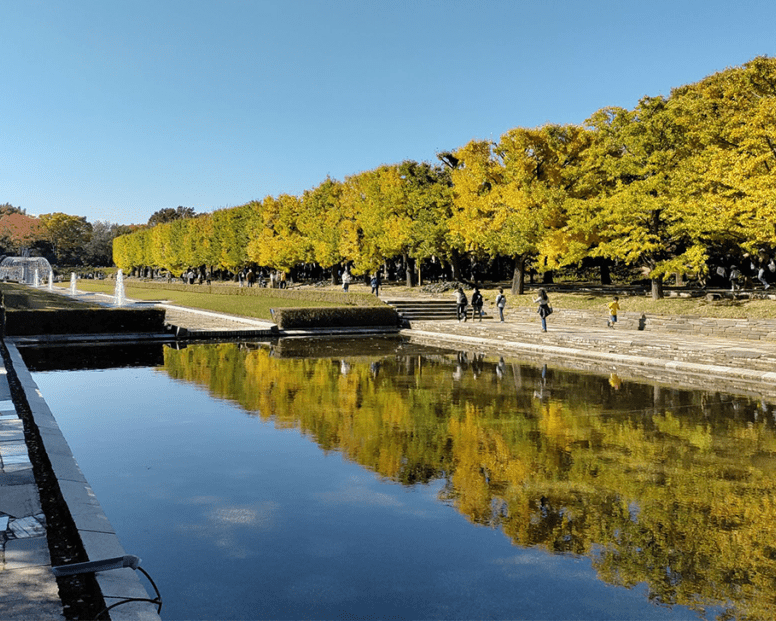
<point>98,537</point>
<point>691,375</point>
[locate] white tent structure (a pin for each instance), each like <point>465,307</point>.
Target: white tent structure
<point>23,269</point>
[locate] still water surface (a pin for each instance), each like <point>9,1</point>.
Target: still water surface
<point>366,479</point>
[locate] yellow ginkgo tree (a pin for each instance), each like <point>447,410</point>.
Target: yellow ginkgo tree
<point>274,239</point>
<point>728,179</point>
<point>632,215</point>
<point>320,222</point>
<point>510,197</point>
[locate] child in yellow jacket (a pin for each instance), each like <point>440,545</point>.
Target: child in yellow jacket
<point>614,306</point>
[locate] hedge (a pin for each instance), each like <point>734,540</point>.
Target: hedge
<point>83,321</point>
<point>339,317</point>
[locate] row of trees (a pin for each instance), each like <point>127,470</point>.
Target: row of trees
<point>70,240</point>
<point>668,186</point>
<point>61,238</point>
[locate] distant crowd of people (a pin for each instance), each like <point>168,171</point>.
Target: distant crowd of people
<point>760,268</point>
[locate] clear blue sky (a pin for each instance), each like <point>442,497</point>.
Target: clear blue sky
<point>115,109</point>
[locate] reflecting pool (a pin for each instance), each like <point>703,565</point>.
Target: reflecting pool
<point>371,478</point>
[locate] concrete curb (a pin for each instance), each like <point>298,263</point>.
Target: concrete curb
<point>755,382</point>
<point>257,323</point>
<point>97,535</point>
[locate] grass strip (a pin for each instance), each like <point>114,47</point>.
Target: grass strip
<point>245,306</point>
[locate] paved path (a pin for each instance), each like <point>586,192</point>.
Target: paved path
<point>736,365</point>
<point>209,323</point>
<point>28,588</point>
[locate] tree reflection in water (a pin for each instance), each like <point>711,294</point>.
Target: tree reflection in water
<point>667,487</point>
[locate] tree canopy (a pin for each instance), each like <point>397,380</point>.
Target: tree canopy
<point>67,234</point>
<point>169,215</point>
<point>664,187</point>
<point>19,232</point>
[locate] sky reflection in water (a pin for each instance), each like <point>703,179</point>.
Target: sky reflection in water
<point>295,481</point>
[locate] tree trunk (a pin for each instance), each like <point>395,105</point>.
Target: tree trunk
<point>547,278</point>
<point>606,275</point>
<point>456,265</point>
<point>518,276</point>
<point>657,288</point>
<point>407,269</point>
<point>419,264</point>
<point>679,279</point>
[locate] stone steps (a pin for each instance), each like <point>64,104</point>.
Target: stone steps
<point>429,309</point>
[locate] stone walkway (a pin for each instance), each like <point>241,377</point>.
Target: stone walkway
<point>207,324</point>
<point>684,358</point>
<point>28,588</point>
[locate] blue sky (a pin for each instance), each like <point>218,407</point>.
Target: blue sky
<point>114,110</point>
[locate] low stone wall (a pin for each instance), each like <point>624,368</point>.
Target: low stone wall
<point>748,329</point>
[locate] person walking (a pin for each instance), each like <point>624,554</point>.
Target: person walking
<point>477,303</point>
<point>462,302</point>
<point>613,306</point>
<point>544,307</point>
<point>375,282</point>
<point>734,276</point>
<point>501,302</point>
<point>345,280</point>
<point>761,277</point>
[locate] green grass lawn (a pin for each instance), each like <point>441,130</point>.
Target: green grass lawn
<point>245,306</point>
<point>16,296</point>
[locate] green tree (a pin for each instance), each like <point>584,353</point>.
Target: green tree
<point>428,200</point>
<point>169,215</point>
<point>7,209</point>
<point>98,250</point>
<point>68,235</point>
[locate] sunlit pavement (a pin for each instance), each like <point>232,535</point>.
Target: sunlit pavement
<point>28,588</point>
<point>744,366</point>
